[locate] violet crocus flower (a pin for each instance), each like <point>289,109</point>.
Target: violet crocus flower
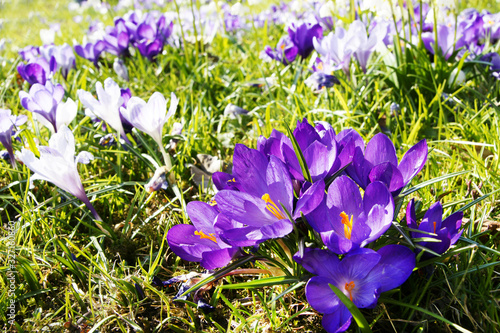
<point>45,101</point>
<point>117,38</point>
<point>29,53</point>
<point>378,162</point>
<point>318,146</point>
<point>150,117</point>
<point>264,197</point>
<point>38,70</point>
<point>302,37</point>
<point>201,242</point>
<point>107,107</point>
<point>446,231</point>
<point>285,51</point>
<point>91,51</point>
<point>346,221</point>
<point>446,42</point>
<point>63,55</point>
<point>57,164</point>
<point>151,36</point>
<point>362,275</point>
<point>7,123</point>
<point>339,47</point>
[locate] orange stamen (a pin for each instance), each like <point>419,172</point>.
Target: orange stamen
<point>347,224</point>
<point>434,226</point>
<point>205,236</point>
<point>349,287</point>
<point>271,206</point>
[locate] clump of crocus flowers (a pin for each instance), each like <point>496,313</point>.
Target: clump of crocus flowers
<point>340,190</point>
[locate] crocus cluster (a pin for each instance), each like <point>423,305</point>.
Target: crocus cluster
<point>343,190</point>
<point>42,62</point>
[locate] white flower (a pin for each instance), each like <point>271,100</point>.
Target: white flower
<point>107,107</point>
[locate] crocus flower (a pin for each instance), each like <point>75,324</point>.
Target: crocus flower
<point>201,242</point>
<point>63,55</point>
<point>378,162</point>
<point>107,107</point>
<point>29,53</point>
<point>446,42</point>
<point>150,117</point>
<point>285,51</point>
<point>339,47</point>
<point>91,51</point>
<point>362,275</point>
<point>45,101</point>
<point>117,38</point>
<point>302,37</point>
<point>446,231</point>
<point>57,164</point>
<point>7,122</point>
<point>38,70</point>
<point>318,146</point>
<point>346,221</point>
<point>264,196</point>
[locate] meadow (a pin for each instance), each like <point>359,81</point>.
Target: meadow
<point>249,166</point>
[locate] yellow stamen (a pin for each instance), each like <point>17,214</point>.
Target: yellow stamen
<point>320,66</point>
<point>271,206</point>
<point>203,235</point>
<point>232,180</point>
<point>282,46</point>
<point>347,224</point>
<point>213,202</point>
<point>349,287</point>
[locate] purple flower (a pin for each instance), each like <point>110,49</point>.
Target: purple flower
<point>91,51</point>
<point>57,164</point>
<point>151,36</point>
<point>302,37</point>
<point>201,242</point>
<point>319,80</point>
<point>446,40</point>
<point>29,53</point>
<point>378,162</point>
<point>494,59</point>
<point>447,231</point>
<point>318,144</point>
<point>63,55</point>
<point>337,48</point>
<point>45,101</point>
<point>362,275</point>
<point>38,70</point>
<point>7,122</point>
<point>117,38</point>
<point>285,51</point>
<point>346,221</point>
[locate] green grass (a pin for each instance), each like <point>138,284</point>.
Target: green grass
<point>457,292</point>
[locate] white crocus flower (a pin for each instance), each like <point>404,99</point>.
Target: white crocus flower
<point>57,164</point>
<point>107,106</point>
<point>150,117</point>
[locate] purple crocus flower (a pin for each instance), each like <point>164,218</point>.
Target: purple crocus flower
<point>63,55</point>
<point>446,40</point>
<point>151,36</point>
<point>264,196</point>
<point>346,221</point>
<point>117,38</point>
<point>362,275</point>
<point>57,164</point>
<point>494,59</point>
<point>285,51</point>
<point>201,242</point>
<point>45,101</point>
<point>446,231</point>
<point>91,51</point>
<point>378,162</point>
<point>7,122</point>
<point>302,37</point>
<point>37,71</point>
<point>318,146</point>
<point>339,47</point>
<point>29,53</point>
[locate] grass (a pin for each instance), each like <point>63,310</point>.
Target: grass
<point>71,277</point>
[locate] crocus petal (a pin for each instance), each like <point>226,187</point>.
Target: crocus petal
<point>250,164</point>
<point>320,296</point>
<point>338,321</point>
<point>433,215</point>
<point>388,174</point>
<point>218,258</point>
<point>413,161</point>
<point>202,215</point>
<point>380,149</point>
<point>395,266</point>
